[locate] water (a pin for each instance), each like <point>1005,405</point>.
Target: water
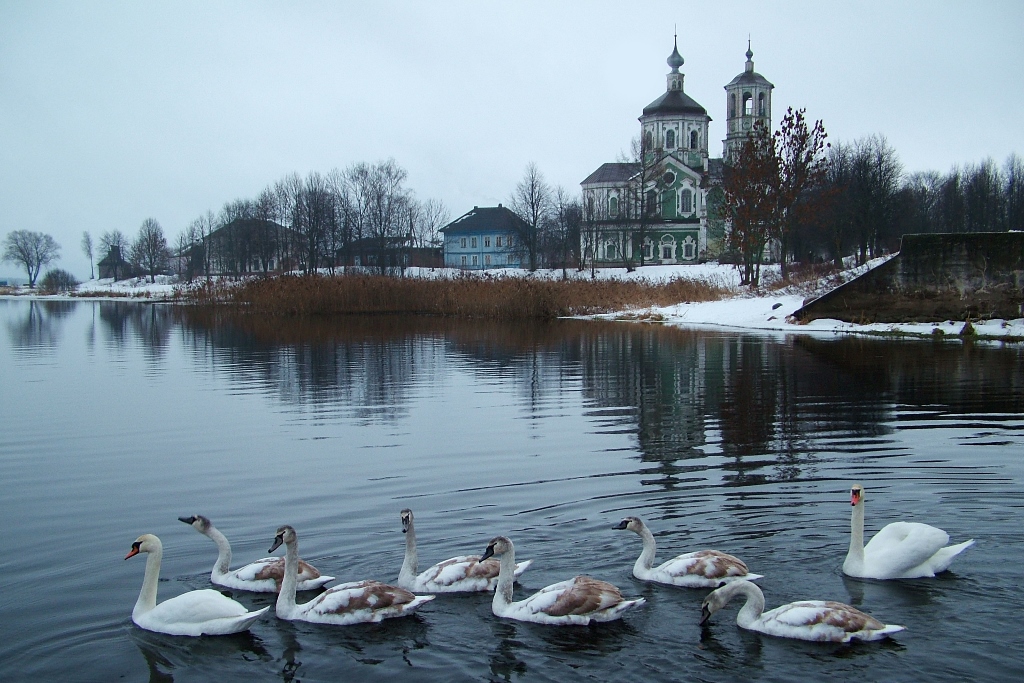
<point>117,418</point>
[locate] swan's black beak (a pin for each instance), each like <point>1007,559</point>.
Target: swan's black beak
<point>621,525</point>
<point>134,551</point>
<point>405,525</point>
<point>187,520</point>
<point>277,543</point>
<point>705,614</point>
<point>487,553</point>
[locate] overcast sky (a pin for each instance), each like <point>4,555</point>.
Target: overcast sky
<point>111,113</point>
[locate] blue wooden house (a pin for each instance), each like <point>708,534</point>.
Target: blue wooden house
<point>486,237</point>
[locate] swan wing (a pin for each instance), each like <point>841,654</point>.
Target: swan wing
<point>693,568</point>
<point>578,596</point>
<point>901,547</point>
<point>360,601</point>
<point>823,621</point>
<point>196,607</point>
<point>465,571</point>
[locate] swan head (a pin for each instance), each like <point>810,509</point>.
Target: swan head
<point>406,520</point>
<point>146,543</point>
<point>285,534</point>
<point>634,524</point>
<point>499,545</point>
<point>856,495</point>
<point>716,600</point>
<point>197,522</point>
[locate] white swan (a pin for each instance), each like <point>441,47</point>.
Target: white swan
<point>196,613</point>
<point>901,550</point>
<point>261,576</point>
<point>464,573</point>
<point>699,569</point>
<point>579,600</point>
<point>817,620</point>
<point>348,603</point>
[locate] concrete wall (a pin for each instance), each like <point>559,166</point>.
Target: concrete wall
<point>934,277</point>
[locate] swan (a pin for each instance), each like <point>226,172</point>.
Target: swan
<point>464,573</point>
<point>901,550</point>
<point>348,603</point>
<point>817,620</point>
<point>196,613</point>
<point>699,569</point>
<point>579,600</point>
<point>261,576</point>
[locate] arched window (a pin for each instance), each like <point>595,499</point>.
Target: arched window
<point>689,249</point>
<point>760,104</point>
<point>652,202</point>
<point>648,140</point>
<point>748,104</point>
<point>609,251</point>
<point>670,139</point>
<point>613,207</point>
<point>732,105</point>
<point>694,139</point>
<point>687,201</point>
<point>668,248</point>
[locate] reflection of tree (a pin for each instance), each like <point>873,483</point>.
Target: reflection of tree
<point>150,324</point>
<point>38,328</point>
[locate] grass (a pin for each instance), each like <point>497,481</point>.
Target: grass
<point>466,295</point>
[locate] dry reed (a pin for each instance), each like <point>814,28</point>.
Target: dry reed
<point>467,295</point>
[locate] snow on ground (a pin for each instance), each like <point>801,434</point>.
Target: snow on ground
<point>765,310</point>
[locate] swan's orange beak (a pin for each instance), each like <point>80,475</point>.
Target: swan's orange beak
<point>854,497</point>
<point>134,551</point>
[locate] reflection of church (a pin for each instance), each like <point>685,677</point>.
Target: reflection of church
<point>656,206</point>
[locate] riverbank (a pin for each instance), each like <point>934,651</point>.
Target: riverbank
<point>707,295</point>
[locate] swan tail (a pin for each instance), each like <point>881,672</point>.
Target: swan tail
<point>887,631</point>
<point>522,567</point>
<point>616,611</point>
<point>236,624</point>
<point>750,577</point>
<point>418,602</point>
<point>944,557</point>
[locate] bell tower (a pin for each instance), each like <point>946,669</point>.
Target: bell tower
<point>748,99</point>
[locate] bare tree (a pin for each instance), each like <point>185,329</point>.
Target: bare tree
<point>32,250</point>
<point>531,201</point>
<point>563,239</point>
<point>149,251</point>
<point>801,168</point>
<point>87,249</point>
<point>428,219</point>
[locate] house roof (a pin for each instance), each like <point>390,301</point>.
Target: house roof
<point>675,102</point>
<point>613,173</point>
<point>487,219</point>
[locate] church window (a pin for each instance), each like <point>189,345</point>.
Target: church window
<point>668,178</point>
<point>609,251</point>
<point>668,204</point>
<point>760,105</point>
<point>670,139</point>
<point>687,201</point>
<point>648,249</point>
<point>732,105</point>
<point>693,139</point>
<point>748,104</point>
<point>688,249</point>
<point>652,202</point>
<point>648,142</point>
<point>613,207</point>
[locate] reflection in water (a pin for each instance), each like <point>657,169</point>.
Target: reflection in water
<point>150,325</point>
<point>165,654</point>
<point>39,327</point>
<point>768,405</point>
<point>504,662</point>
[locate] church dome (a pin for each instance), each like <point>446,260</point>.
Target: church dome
<point>675,102</point>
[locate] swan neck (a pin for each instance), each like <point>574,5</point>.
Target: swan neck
<point>506,577</point>
<point>411,560</point>
<point>223,564</point>
<point>856,552</point>
<point>646,559</point>
<point>753,607</point>
<point>147,596</point>
<point>286,598</point>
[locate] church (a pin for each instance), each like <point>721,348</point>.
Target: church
<point>654,208</point>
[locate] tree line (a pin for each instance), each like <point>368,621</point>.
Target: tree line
<point>792,197</point>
